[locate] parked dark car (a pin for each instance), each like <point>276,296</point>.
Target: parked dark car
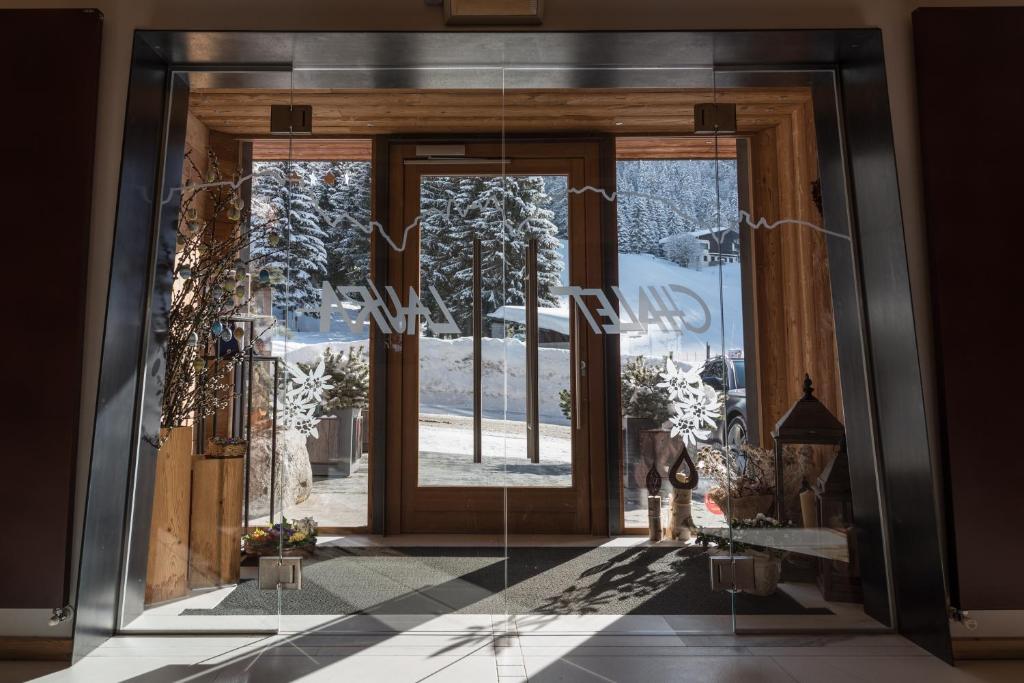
<point>729,375</point>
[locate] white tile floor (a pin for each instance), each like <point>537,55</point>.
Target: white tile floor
<point>539,653</point>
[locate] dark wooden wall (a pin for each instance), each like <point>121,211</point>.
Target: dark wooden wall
<point>50,80</point>
<point>969,62</point>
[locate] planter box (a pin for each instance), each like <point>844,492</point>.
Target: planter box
<point>167,565</point>
<point>339,444</point>
<point>216,534</point>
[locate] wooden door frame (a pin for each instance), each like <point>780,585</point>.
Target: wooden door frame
<point>586,157</point>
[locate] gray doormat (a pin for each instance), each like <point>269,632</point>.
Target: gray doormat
<point>550,580</point>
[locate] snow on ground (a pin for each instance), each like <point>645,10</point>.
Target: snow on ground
<point>446,454</point>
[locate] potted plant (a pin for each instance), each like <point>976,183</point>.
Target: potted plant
<point>767,559</point>
<point>744,480</point>
<point>343,400</point>
<point>290,538</point>
<point>645,405</point>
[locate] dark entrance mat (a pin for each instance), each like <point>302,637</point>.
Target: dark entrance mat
<point>643,580</point>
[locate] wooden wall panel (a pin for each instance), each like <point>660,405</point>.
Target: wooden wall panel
<point>50,83</point>
<point>795,325</point>
<point>971,191</point>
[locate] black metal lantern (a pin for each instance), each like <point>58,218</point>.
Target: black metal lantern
<point>809,422</point>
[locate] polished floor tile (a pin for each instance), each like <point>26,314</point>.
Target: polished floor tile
<point>537,656</point>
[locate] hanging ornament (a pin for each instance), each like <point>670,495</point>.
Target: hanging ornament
<point>228,287</point>
<point>211,175</point>
<point>237,201</point>
<point>192,227</point>
<point>294,178</point>
<point>264,276</point>
<point>192,213</point>
<point>193,339</point>
<point>239,334</point>
<point>329,179</point>
<point>180,240</point>
<point>185,272</point>
<point>273,239</point>
<point>240,276</point>
<point>240,291</point>
<point>199,364</point>
<point>234,214</point>
<point>225,334</point>
<point>217,327</point>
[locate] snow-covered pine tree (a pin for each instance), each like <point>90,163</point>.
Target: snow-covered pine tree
<point>286,195</point>
<point>346,219</point>
<point>445,248</point>
<point>515,209</point>
<point>503,213</point>
<point>346,222</point>
<point>557,188</point>
<point>658,198</point>
<point>684,249</point>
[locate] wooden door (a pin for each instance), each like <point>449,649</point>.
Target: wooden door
<point>461,419</point>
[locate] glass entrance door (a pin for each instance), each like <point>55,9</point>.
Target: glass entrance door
<point>502,431</point>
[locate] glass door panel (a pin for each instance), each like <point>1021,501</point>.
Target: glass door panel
<point>478,381</point>
<point>645,312</point>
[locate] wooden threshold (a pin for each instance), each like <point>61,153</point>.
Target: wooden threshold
<point>988,648</point>
<point>35,648</point>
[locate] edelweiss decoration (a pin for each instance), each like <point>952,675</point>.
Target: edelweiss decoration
<point>303,398</point>
<point>696,406</point>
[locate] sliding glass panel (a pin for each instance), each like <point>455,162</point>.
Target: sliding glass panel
<point>797,444</point>
<point>641,310</point>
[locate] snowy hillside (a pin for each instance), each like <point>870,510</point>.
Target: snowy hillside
<point>644,270</point>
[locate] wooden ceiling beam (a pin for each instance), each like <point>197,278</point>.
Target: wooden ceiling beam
<point>362,112</point>
<point>693,147</point>
<point>337,149</point>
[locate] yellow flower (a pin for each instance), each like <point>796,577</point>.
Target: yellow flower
<point>258,533</point>
<point>297,537</point>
